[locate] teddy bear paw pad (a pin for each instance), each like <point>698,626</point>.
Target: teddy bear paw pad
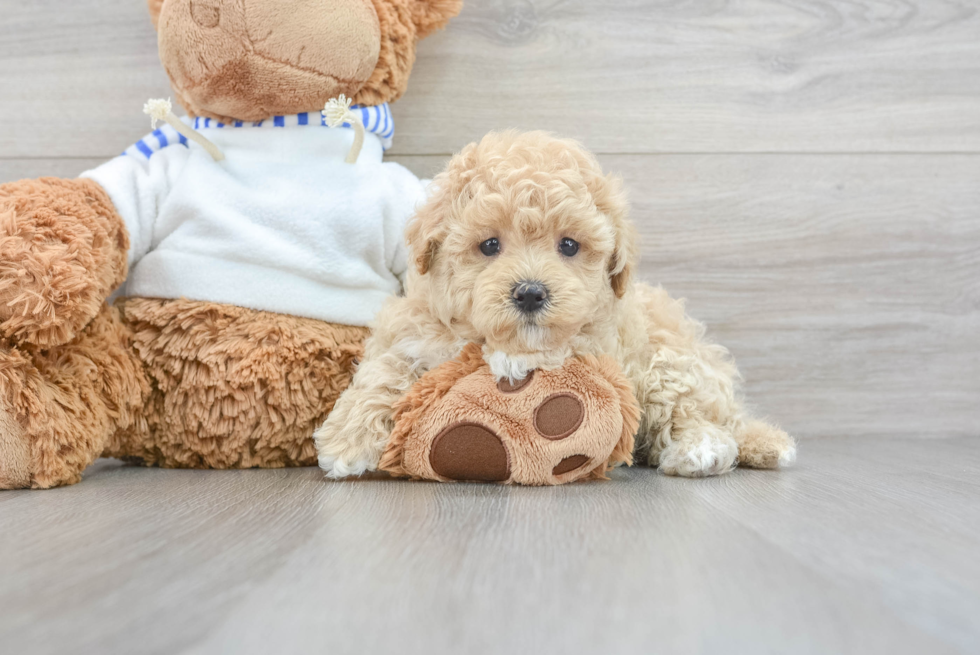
<point>558,416</point>
<point>468,451</point>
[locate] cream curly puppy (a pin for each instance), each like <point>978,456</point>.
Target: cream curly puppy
<point>525,247</point>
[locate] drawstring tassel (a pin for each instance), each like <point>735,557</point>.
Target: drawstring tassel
<point>337,112</point>
<point>162,110</point>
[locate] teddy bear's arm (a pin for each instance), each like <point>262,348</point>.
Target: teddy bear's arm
<point>138,185</point>
<point>65,245</point>
<point>62,251</point>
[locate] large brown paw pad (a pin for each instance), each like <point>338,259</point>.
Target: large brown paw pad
<point>468,451</point>
<point>459,423</point>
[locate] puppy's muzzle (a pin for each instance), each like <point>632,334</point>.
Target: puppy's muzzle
<point>529,296</point>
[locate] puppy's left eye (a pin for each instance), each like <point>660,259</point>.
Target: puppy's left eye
<point>490,247</point>
<point>568,247</point>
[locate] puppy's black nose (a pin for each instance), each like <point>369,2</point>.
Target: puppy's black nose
<point>529,296</point>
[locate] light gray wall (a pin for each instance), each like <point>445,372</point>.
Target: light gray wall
<point>807,174</point>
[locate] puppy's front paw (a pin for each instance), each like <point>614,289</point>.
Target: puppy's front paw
<point>700,453</point>
<point>339,454</point>
<point>338,467</point>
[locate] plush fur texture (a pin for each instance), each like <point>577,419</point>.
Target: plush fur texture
<point>247,61</point>
<point>233,387</point>
<point>172,383</point>
<point>15,453</point>
<point>62,251</point>
<point>530,191</point>
<point>71,398</point>
<point>464,391</point>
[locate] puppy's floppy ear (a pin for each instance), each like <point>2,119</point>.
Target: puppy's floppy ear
<point>610,198</point>
<point>155,6</point>
<point>449,193</point>
<point>426,230</point>
<point>432,15</point>
<point>623,261</point>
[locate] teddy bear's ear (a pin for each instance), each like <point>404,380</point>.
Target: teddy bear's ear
<point>431,15</point>
<point>155,7</point>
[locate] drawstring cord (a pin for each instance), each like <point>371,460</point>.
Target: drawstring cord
<point>337,112</point>
<point>162,110</point>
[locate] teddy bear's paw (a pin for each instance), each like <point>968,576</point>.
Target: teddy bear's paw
<point>550,428</point>
<point>15,453</point>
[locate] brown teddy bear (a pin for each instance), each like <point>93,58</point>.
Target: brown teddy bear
<point>252,254</point>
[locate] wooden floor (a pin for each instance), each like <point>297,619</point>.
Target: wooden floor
<point>806,173</point>
<point>868,546</point>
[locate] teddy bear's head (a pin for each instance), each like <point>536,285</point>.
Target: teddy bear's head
<point>252,59</point>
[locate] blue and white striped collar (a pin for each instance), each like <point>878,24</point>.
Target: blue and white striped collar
<point>377,120</point>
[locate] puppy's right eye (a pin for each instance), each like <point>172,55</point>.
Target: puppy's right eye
<point>490,247</point>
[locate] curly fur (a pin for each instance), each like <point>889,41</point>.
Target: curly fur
<point>530,191</point>
<point>62,252</point>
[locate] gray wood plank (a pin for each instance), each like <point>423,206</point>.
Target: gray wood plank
<point>74,77</point>
<point>12,170</point>
<point>629,77</point>
<point>858,550</point>
<point>641,76</point>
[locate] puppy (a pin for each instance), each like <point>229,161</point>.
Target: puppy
<point>525,247</point>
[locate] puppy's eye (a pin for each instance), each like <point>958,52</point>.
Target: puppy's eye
<point>490,247</point>
<point>568,247</point>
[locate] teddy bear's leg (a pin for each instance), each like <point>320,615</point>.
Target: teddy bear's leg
<point>59,406</point>
<point>233,387</point>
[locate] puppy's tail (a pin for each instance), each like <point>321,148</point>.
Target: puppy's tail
<point>764,446</point>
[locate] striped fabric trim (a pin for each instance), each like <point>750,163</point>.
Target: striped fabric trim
<point>154,141</point>
<point>377,120</point>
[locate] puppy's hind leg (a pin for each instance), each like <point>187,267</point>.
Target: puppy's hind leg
<point>677,433</point>
<point>764,446</point>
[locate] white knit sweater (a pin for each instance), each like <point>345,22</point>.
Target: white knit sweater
<point>281,225</point>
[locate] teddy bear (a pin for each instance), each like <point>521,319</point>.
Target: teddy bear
<point>246,248</point>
